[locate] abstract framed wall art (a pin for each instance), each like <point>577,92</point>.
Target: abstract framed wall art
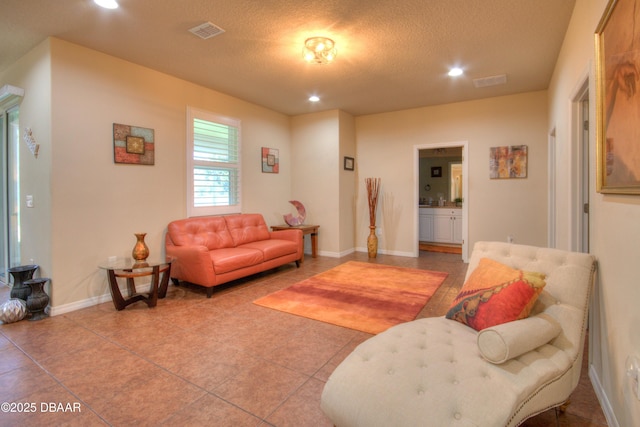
<point>618,98</point>
<point>270,160</point>
<point>508,162</point>
<point>133,145</point>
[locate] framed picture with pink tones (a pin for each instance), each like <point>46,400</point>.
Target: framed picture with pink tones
<point>270,160</point>
<point>508,162</point>
<point>133,144</point>
<point>618,98</point>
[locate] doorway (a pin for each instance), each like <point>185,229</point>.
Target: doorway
<point>10,193</point>
<point>432,184</point>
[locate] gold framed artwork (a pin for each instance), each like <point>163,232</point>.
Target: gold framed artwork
<point>617,98</point>
<point>270,160</point>
<point>508,162</point>
<point>133,145</point>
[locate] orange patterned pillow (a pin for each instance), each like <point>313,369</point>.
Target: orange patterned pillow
<point>494,294</point>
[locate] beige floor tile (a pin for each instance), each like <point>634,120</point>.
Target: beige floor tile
<point>194,361</point>
<point>212,411</point>
<point>302,408</point>
<point>51,406</point>
<point>262,388</point>
<point>19,383</point>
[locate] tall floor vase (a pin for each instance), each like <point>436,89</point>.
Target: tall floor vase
<point>20,275</point>
<point>372,242</point>
<point>38,299</point>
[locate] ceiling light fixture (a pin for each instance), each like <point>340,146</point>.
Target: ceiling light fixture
<point>319,50</point>
<point>107,4</point>
<point>455,72</point>
<point>314,98</point>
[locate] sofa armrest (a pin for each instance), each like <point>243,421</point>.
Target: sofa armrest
<point>192,264</point>
<point>295,235</point>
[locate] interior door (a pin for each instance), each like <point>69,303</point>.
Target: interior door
<point>584,170</point>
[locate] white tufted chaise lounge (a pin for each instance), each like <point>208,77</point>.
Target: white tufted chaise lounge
<point>430,372</point>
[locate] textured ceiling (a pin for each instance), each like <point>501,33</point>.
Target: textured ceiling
<point>392,55</point>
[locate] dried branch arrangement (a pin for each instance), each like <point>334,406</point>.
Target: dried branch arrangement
<point>373,188</point>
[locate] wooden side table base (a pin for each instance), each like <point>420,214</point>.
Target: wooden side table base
<point>158,286</point>
<point>306,229</point>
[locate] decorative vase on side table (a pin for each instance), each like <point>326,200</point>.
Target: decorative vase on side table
<point>38,299</point>
<point>140,250</point>
<point>20,275</point>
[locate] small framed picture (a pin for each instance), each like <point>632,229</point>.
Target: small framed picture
<point>348,163</point>
<point>436,171</point>
<point>270,160</point>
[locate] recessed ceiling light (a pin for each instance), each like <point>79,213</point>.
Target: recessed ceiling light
<point>455,72</point>
<point>314,98</point>
<point>107,4</point>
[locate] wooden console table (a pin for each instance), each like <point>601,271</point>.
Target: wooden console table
<point>130,269</point>
<point>306,229</point>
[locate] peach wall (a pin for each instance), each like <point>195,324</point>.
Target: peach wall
<point>33,73</point>
<point>315,150</point>
<point>347,184</point>
<point>497,208</point>
<point>614,226</point>
<point>97,205</point>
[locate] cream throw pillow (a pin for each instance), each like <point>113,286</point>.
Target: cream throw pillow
<point>512,339</point>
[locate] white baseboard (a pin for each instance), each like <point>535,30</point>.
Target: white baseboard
<point>78,305</point>
<point>326,253</point>
<point>89,302</point>
<point>386,252</point>
<point>602,398</point>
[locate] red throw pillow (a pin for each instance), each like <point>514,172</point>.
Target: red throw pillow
<point>494,294</point>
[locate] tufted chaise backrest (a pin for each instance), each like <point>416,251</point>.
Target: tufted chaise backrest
<point>569,278</point>
<point>209,231</point>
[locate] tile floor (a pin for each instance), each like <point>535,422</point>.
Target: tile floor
<point>196,361</point>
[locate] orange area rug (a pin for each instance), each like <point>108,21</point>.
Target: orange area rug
<point>359,295</point>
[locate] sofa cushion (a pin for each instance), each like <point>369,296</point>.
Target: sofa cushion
<point>205,231</point>
<point>230,259</point>
<point>494,294</point>
<point>512,339</point>
<point>273,248</point>
<point>246,228</point>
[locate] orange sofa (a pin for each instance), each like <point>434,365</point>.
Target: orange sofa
<point>212,250</point>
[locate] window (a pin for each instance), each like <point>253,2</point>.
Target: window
<point>213,164</point>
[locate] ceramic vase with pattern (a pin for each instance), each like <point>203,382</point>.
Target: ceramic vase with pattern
<point>140,250</point>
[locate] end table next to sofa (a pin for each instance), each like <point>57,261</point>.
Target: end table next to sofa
<point>130,269</point>
<point>306,229</point>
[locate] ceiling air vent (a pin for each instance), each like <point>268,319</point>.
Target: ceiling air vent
<point>206,30</point>
<point>490,81</point>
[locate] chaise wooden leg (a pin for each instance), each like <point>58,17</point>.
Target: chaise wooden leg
<point>175,281</point>
<point>298,264</point>
<point>209,291</point>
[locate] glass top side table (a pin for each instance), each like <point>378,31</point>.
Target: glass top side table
<point>130,269</point>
